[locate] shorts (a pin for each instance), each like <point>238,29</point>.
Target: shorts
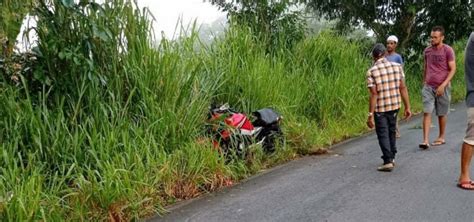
<point>469,138</point>
<point>439,104</point>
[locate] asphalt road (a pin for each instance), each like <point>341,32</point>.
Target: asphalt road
<point>345,185</point>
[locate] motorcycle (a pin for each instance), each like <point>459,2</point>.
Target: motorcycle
<point>233,132</point>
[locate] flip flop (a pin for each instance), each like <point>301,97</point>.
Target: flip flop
<point>424,146</point>
<point>466,185</point>
<point>472,182</point>
<point>438,143</point>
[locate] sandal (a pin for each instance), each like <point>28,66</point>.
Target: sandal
<point>466,185</point>
<point>438,142</point>
<point>424,146</point>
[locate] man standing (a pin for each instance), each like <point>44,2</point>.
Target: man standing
<point>439,69</point>
<point>466,152</point>
<point>386,84</point>
<point>393,56</point>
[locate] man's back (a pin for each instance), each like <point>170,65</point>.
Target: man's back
<point>386,77</point>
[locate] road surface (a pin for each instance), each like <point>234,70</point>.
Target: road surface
<point>345,185</point>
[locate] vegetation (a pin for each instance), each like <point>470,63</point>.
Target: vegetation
<point>410,20</point>
<point>11,16</point>
<point>272,22</point>
<point>103,126</point>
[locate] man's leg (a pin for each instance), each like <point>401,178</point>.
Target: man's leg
<point>382,130</point>
<point>442,109</point>
<point>426,127</point>
<point>466,156</point>
<point>392,128</point>
<point>397,134</point>
<point>442,127</point>
<point>428,95</point>
<point>467,146</point>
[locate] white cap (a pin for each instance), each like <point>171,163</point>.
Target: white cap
<point>392,38</point>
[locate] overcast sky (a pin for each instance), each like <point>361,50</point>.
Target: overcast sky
<point>168,12</point>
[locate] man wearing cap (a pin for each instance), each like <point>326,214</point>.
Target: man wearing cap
<point>386,83</point>
<point>393,56</point>
<point>439,69</point>
<point>466,151</point>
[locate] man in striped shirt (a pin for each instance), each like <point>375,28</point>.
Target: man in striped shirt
<point>386,83</point>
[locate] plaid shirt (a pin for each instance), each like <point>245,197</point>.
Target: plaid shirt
<point>386,76</point>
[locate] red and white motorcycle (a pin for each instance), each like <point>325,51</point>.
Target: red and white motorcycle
<point>233,131</point>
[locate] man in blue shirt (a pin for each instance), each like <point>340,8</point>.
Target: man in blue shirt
<point>393,56</point>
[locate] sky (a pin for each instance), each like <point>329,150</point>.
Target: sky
<point>167,13</point>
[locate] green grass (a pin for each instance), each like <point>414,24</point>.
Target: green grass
<point>108,127</point>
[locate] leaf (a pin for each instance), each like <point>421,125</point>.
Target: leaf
<point>76,60</point>
<point>40,76</point>
<point>61,55</point>
<point>103,36</point>
<point>90,62</point>
<point>412,9</point>
<point>100,33</point>
<point>48,81</point>
<point>36,50</point>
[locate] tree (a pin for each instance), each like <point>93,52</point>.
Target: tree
<point>12,13</point>
<point>272,21</point>
<point>410,20</point>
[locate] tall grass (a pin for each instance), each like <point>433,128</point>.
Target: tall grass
<point>108,127</point>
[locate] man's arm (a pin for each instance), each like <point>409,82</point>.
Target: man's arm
<point>405,99</point>
<point>372,103</point>
<point>400,60</point>
<point>452,70</point>
<point>424,69</point>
